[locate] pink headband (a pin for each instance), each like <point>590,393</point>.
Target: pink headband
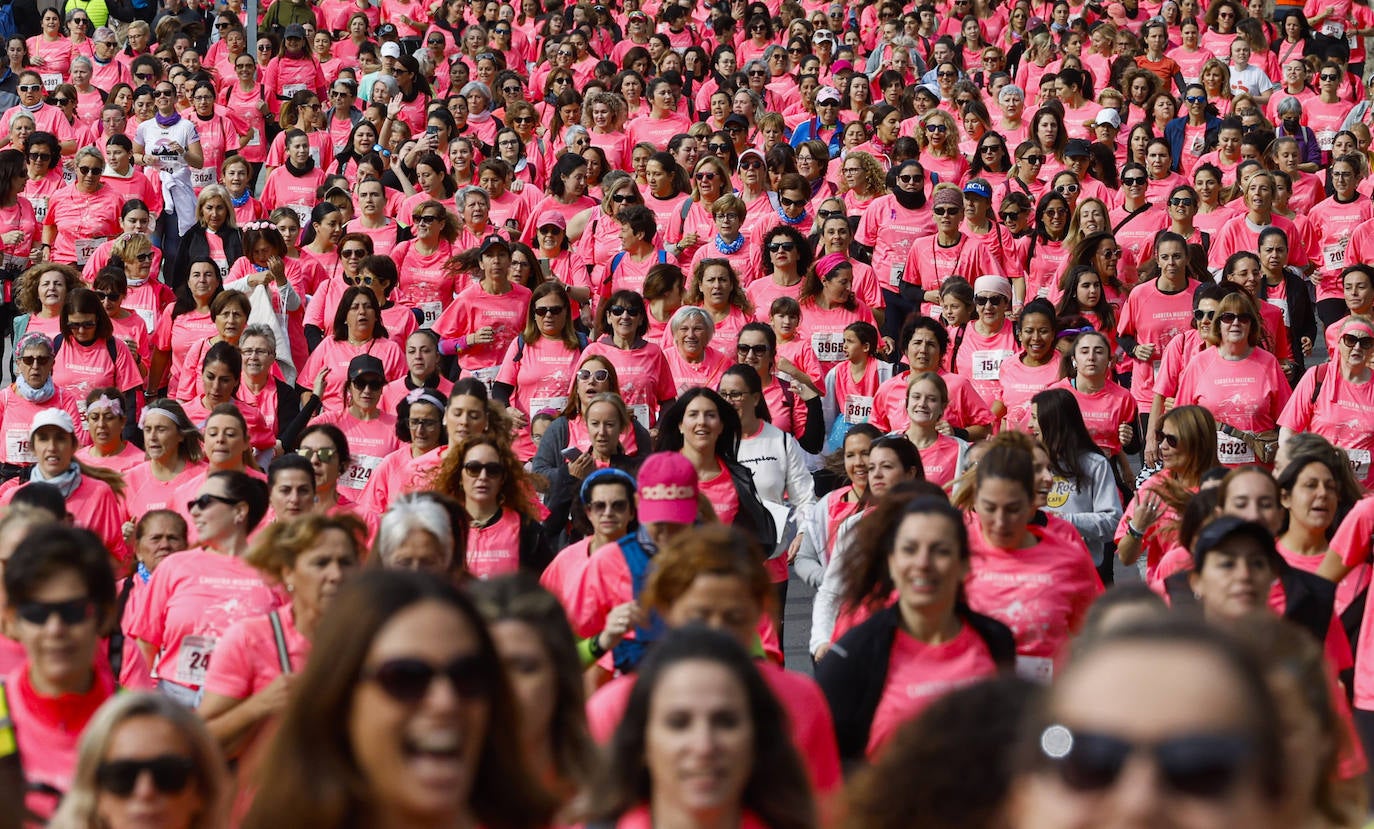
<point>827,264</point>
<point>1357,323</point>
<point>104,401</point>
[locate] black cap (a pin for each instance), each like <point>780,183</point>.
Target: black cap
<point>734,119</point>
<point>493,241</point>
<point>295,30</point>
<point>1078,147</point>
<point>1219,530</point>
<point>365,364</point>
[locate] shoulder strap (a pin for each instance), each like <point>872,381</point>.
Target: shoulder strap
<point>1129,216</point>
<point>686,208</point>
<point>278,634</point>
<point>615,262</point>
<point>519,348</point>
<point>57,343</point>
<point>1320,378</point>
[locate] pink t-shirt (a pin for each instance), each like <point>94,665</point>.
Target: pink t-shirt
<point>965,407</point>
<point>704,373</point>
<point>1334,222</point>
<point>940,460</point>
<point>1154,317</point>
<point>193,600</point>
<point>890,230</point>
<point>178,336</point>
<point>79,368</point>
<point>980,357</point>
<point>1248,394</point>
<point>369,441</point>
<point>424,282</point>
<point>1104,412</point>
<point>919,674</point>
<point>144,493</point>
<point>1041,593</point>
<point>335,355</point>
<point>721,492</point>
<point>246,659</point>
<point>16,415</point>
<point>475,309</point>
<point>122,461</point>
<point>1018,383</point>
<point>823,329</point>
<point>541,377</point>
<point>1341,413</point>
<point>494,550</point>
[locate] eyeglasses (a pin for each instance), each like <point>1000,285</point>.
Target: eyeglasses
<point>205,499</point>
<point>549,311</point>
<point>732,396</point>
<point>71,612</point>
<point>786,202</point>
<point>945,211</point>
<point>353,253</point>
<point>600,375</point>
<point>1066,189</point>
<point>1033,159</point>
<point>255,352</point>
<point>1192,765</point>
<point>323,455</point>
<point>1231,318</point>
<point>596,507</point>
<point>778,247</point>
<point>474,469</point>
<point>367,383</point>
<point>994,300</point>
<point>511,90</point>
<point>84,325</point>
<point>170,772</point>
<point>422,423</point>
<point>1353,341</point>
<point>757,350</point>
<point>30,87</point>
<point>1181,202</point>
<point>1110,253</point>
<point>32,360</point>
<point>408,680</point>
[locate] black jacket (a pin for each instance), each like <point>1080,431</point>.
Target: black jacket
<point>193,247</point>
<point>854,672</point>
<point>1302,315</point>
<point>1308,599</point>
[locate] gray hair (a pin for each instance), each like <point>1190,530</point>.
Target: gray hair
<point>471,190</point>
<point>413,511</point>
<point>89,151</point>
<point>477,86</point>
<point>686,312</point>
<point>1011,88</point>
<point>260,330</point>
<point>755,98</point>
<point>572,131</point>
<point>82,59</point>
<point>1290,106</point>
<point>389,81</point>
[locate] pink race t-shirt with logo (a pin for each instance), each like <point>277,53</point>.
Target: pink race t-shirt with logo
<point>16,415</point>
<point>966,408</point>
<point>1153,317</point>
<point>475,309</point>
<point>980,357</point>
<point>369,441</point>
<point>1248,394</point>
<point>494,550</point>
<point>942,459</point>
<point>919,674</point>
<point>143,492</point>
<point>177,336</point>
<point>1018,383</point>
<point>721,492</point>
<point>1103,412</point>
<point>541,378</point>
<point>1338,410</point>
<point>823,330</point>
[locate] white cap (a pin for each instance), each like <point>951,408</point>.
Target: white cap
<point>1107,117</point>
<point>391,49</point>
<point>52,417</point>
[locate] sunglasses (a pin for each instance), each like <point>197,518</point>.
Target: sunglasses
<point>1352,342</point>
<point>511,90</point>
<point>408,680</point>
<point>994,300</point>
<point>1196,99</point>
<point>325,455</point>
<point>523,119</point>
<point>32,360</point>
<point>1327,77</point>
<point>1180,202</point>
<point>171,773</point>
<point>1134,181</point>
<point>1066,189</point>
<point>706,176</point>
<point>1009,216</point>
<point>1165,439</point>
<point>84,325</point>
<point>108,297</point>
<point>776,247</point>
<point>718,148</point>
<point>71,612</point>
<point>596,507</point>
<point>353,253</point>
<point>1114,253</point>
<point>39,157</point>
<point>600,375</point>
<point>909,179</point>
<point>367,384</point>
<point>32,87</point>
<point>474,469</point>
<point>1230,318</point>
<point>623,311</point>
<point>622,198</point>
<point>936,128</point>
<point>757,350</point>
<point>426,219</point>
<point>365,279</point>
<point>144,257</point>
<point>1203,766</point>
<point>946,211</point>
<point>61,101</point>
<point>992,148</point>
<point>946,74</point>
<point>786,202</point>
<point>750,164</point>
<point>1033,159</point>
<point>549,311</point>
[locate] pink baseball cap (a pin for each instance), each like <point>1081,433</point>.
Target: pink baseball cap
<point>667,489</point>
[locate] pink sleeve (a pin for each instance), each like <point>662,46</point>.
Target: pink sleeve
<point>231,670</point>
<point>667,389</point>
<point>1297,413</point>
<point>127,375</point>
<point>1352,539</point>
<point>1187,389</point>
<point>509,367</point>
<point>147,619</point>
<point>599,589</point>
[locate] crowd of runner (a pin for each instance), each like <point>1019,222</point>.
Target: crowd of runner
<point>419,413</point>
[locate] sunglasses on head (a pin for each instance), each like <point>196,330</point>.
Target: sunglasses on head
<point>71,612</point>
<point>1204,766</point>
<point>170,773</point>
<point>408,680</point>
<point>600,375</point>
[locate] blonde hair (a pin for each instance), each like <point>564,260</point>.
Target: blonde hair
<point>78,809</point>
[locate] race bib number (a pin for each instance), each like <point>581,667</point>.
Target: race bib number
<point>1333,256</point>
<point>486,375</point>
<point>857,408</point>
<point>359,471</point>
<point>17,447</point>
<point>1326,139</point>
<point>86,247</point>
<point>315,155</point>
<point>291,89</point>
<point>40,207</point>
<point>894,276</point>
<point>1199,145</point>
<point>68,175</point>
<point>254,138</point>
<point>51,80</point>
<point>1359,462</point>
<point>986,364</point>
<point>1232,451</point>
<point>14,262</point>
<point>193,660</point>
<point>149,317</point>
<point>1281,303</point>
<point>556,404</point>
<point>829,348</point>
<point>1037,669</point>
<point>641,413</point>
<point>202,178</point>
<point>302,213</point>
<point>1333,28</point>
<point>431,310</point>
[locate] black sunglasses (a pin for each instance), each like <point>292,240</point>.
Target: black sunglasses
<point>476,468</point>
<point>1165,439</point>
<point>1192,765</point>
<point>171,773</point>
<point>71,612</point>
<point>368,383</point>
<point>206,499</point>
